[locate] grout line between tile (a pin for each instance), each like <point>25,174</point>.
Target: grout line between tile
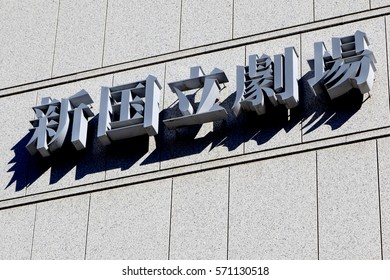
<point>245,59</point>
<point>180,19</point>
<point>29,158</point>
<point>318,215</point>
<point>104,34</point>
<point>170,222</point>
<point>105,150</point>
<point>387,56</point>
<point>113,80</point>
<point>379,198</point>
<point>228,217</point>
<point>245,63</point>
<point>232,19</point>
<point>86,234</point>
<point>55,39</point>
<point>164,86</point>
<point>314,12</point>
<point>33,235</point>
<point>301,59</point>
<point>162,108</point>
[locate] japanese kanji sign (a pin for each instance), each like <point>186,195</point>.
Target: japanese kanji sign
<point>278,80</point>
<point>129,110</point>
<point>133,109</point>
<point>53,121</point>
<point>351,65</point>
<point>208,109</point>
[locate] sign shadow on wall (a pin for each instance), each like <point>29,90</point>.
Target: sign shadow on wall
<point>320,110</point>
<point>186,141</point>
<point>27,169</point>
<point>180,143</point>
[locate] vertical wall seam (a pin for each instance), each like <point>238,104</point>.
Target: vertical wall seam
<point>105,151</point>
<point>164,87</point>
<point>180,19</point>
<point>318,214</point>
<point>387,56</point>
<point>33,234</point>
<point>55,39</point>
<point>314,11</point>
<point>36,103</point>
<point>27,176</point>
<point>113,80</point>
<point>105,164</point>
<point>300,58</point>
<point>245,63</point>
<point>104,33</point>
<point>86,234</point>
<point>228,216</point>
<point>369,3</point>
<point>29,160</point>
<point>245,59</point>
<point>232,19</point>
<point>379,197</point>
<point>170,223</point>
<point>163,104</point>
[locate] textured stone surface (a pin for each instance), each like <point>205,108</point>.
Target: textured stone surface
<point>15,114</point>
<point>384,186</point>
<point>252,17</point>
<point>137,29</point>
<point>211,140</point>
<point>332,8</point>
<point>379,3</point>
<point>205,22</point>
<point>27,34</point>
<point>61,228</point>
<point>200,215</point>
<point>348,204</point>
<point>323,118</point>
<point>17,226</point>
<point>130,222</point>
<point>387,20</point>
<point>275,128</point>
<point>135,155</point>
<point>273,211</point>
<point>68,167</point>
<point>272,202</point>
<point>80,34</point>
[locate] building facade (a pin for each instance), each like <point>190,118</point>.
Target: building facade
<point>311,182</point>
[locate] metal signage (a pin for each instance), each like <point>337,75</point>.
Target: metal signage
<point>132,109</point>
